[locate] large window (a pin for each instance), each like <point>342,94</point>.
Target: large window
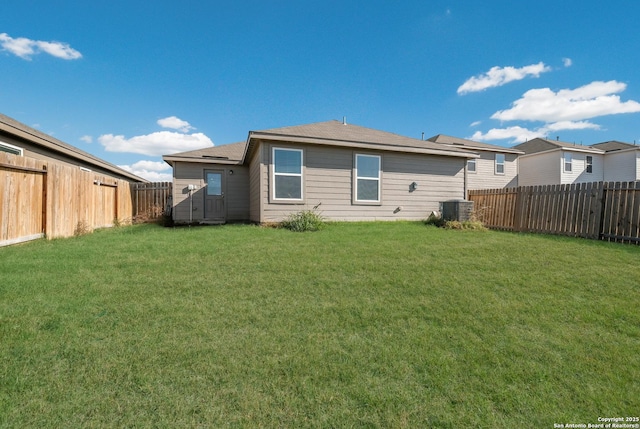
<point>499,163</point>
<point>567,162</point>
<point>589,166</point>
<point>367,184</point>
<point>287,174</point>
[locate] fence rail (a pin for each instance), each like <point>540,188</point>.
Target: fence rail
<point>150,200</point>
<point>40,198</point>
<point>598,210</point>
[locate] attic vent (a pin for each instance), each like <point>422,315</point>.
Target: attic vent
<point>215,157</point>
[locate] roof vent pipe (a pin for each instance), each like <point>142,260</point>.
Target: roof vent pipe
<point>423,135</point>
<point>344,120</point>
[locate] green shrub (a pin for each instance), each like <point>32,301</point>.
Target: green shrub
<point>305,220</point>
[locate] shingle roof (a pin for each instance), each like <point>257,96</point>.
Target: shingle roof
<point>470,144</point>
<point>13,127</point>
<point>542,145</point>
<point>232,153</point>
<point>337,133</point>
<point>614,145</point>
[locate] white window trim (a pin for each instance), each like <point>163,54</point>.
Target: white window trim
<point>274,174</point>
<point>564,162</point>
<point>12,147</point>
<point>379,179</point>
<point>475,165</point>
<point>503,163</point>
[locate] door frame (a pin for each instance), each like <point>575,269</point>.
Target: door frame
<point>223,192</point>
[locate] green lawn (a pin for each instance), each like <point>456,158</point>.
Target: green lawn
<point>357,325</point>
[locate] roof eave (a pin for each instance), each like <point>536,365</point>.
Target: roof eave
<point>63,148</point>
<point>257,135</point>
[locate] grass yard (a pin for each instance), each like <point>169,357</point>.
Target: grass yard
<point>393,325</point>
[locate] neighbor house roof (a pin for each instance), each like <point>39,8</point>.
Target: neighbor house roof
<point>613,145</point>
<point>11,126</point>
<point>470,144</point>
<point>232,153</point>
<point>543,145</point>
<point>337,133</point>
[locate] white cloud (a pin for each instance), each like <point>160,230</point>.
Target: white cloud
<point>25,48</point>
<point>158,143</point>
<point>588,101</point>
<point>154,171</point>
<point>567,62</point>
<point>175,123</point>
<point>498,76</point>
<point>475,124</point>
<point>86,139</point>
<point>516,134</point>
<point>570,125</point>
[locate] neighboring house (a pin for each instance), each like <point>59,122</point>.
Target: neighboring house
<point>548,162</point>
<point>19,139</point>
<point>497,166</point>
<point>621,161</point>
<point>350,172</point>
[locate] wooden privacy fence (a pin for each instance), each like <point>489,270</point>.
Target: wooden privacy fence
<point>598,210</point>
<point>40,198</point>
<point>151,200</point>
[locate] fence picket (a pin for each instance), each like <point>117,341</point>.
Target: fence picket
<point>600,210</point>
<point>45,197</point>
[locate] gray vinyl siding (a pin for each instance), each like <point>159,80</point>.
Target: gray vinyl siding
<point>185,174</point>
<point>255,186</point>
<point>237,193</point>
<point>485,176</point>
<point>34,150</point>
<point>328,181</point>
<point>236,196</point>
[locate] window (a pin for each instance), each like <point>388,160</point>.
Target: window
<point>367,184</point>
<point>499,163</point>
<point>6,147</point>
<point>471,165</point>
<point>567,162</point>
<point>589,166</point>
<point>214,183</point>
<point>287,174</point>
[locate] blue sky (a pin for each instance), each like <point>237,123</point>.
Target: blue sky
<point>131,80</point>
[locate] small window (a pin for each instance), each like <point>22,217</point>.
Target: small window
<point>499,163</point>
<point>567,163</point>
<point>15,150</point>
<point>589,166</point>
<point>287,174</point>
<point>471,165</point>
<point>367,184</point>
<point>214,183</point>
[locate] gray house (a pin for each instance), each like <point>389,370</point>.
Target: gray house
<point>350,172</point>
